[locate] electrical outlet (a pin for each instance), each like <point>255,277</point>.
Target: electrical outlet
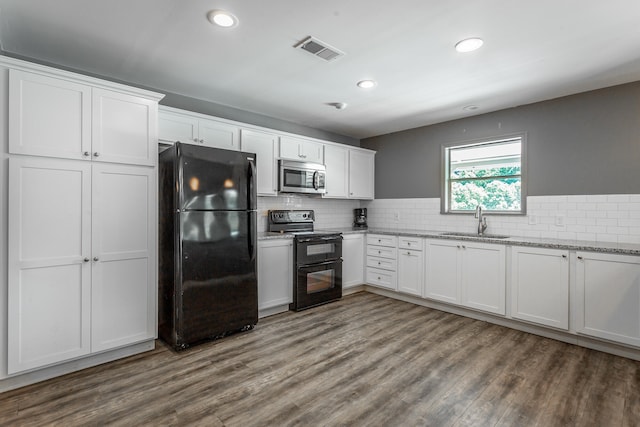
<point>533,220</point>
<point>396,216</point>
<point>560,220</point>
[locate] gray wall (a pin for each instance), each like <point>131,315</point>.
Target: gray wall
<point>587,143</point>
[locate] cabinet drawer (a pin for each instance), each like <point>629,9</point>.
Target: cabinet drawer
<point>383,278</point>
<point>381,251</point>
<point>381,240</point>
<point>413,243</point>
<point>383,263</point>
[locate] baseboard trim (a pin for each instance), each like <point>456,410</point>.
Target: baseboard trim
<point>567,337</point>
<point>21,380</point>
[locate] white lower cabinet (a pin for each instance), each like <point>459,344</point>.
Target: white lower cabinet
<point>81,259</point>
<point>382,261</point>
<point>540,286</point>
<point>484,277</point>
<point>352,260</point>
<point>410,265</point>
<point>275,273</point>
<point>467,273</point>
<point>123,279</point>
<point>608,297</point>
<point>442,271</point>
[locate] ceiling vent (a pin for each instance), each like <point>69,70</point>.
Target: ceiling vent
<point>320,49</point>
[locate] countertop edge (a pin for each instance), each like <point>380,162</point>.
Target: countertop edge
<point>601,247</point>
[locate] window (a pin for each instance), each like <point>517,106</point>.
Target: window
<point>486,173</point>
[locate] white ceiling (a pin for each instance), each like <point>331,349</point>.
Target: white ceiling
<point>534,50</point>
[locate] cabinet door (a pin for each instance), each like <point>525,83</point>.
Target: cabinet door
<point>483,277</point>
<point>442,271</point>
<point>361,174</point>
<point>173,127</point>
<point>410,270</point>
<point>301,150</point>
<point>275,273</point>
<point>123,240</point>
<point>540,286</point>
<point>48,116</point>
<point>264,145</point>
<point>124,128</point>
<point>352,260</point>
<point>218,134</point>
<point>608,297</point>
<point>49,280</point>
<point>336,160</point>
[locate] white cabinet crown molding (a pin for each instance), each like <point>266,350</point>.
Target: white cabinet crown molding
<point>249,126</point>
<point>22,65</point>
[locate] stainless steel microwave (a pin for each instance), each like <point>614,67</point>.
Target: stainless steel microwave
<point>300,177</point>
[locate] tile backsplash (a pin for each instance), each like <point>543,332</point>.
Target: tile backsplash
<point>605,218</point>
<point>329,213</point>
<point>598,218</point>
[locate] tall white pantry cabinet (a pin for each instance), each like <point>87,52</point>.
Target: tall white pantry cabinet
<point>82,217</point>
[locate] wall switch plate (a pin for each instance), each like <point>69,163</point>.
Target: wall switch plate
<point>396,216</point>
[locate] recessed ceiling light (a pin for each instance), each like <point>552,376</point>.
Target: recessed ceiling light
<point>222,18</point>
<point>469,45</point>
<point>367,84</point>
<point>470,107</point>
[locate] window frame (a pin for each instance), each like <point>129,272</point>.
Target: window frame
<point>445,172</point>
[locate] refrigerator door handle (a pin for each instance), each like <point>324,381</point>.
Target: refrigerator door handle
<point>252,235</point>
<point>251,185</point>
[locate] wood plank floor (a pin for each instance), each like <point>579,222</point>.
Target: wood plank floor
<point>364,361</point>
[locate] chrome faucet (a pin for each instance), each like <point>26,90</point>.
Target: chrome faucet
<point>482,220</point>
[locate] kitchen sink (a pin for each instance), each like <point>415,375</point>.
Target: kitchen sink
<point>484,236</point>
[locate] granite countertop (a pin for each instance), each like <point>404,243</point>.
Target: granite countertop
<point>574,245</point>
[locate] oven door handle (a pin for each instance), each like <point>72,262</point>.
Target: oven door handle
<point>318,239</point>
<point>320,264</point>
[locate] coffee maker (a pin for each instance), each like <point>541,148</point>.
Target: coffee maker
<point>360,218</point>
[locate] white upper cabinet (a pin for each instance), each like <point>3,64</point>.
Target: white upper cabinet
<point>195,129</point>
<point>336,160</point>
<point>56,117</point>
<point>174,127</point>
<point>361,174</point>
<point>48,116</point>
<point>218,135</point>
<point>124,128</point>
<point>301,149</point>
<point>264,145</point>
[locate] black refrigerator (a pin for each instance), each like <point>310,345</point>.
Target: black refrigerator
<point>207,244</point>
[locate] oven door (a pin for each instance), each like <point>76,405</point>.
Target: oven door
<point>317,284</point>
<point>316,249</point>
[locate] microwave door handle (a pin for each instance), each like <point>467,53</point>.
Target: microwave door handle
<point>316,180</point>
